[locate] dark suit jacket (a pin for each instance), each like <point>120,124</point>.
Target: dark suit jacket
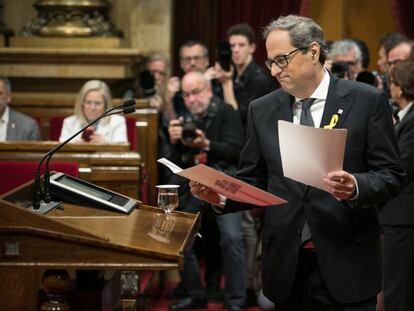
<point>400,211</point>
<point>21,127</point>
<point>345,234</point>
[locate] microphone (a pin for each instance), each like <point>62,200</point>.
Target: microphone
<point>128,106</point>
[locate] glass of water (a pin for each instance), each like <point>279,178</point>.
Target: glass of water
<point>167,197</point>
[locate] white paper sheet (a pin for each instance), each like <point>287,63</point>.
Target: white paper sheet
<point>225,185</point>
<point>308,153</point>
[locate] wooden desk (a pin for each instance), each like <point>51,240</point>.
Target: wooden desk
<point>80,237</point>
<point>113,166</point>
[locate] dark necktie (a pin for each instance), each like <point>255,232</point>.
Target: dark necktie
<point>305,115</point>
<point>306,119</point>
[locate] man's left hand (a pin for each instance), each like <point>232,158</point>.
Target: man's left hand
<point>341,185</point>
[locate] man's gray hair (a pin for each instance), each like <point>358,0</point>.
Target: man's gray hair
<point>7,84</point>
<point>302,31</point>
<point>345,46</point>
<point>158,56</point>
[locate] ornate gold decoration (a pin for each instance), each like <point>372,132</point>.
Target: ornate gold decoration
<point>71,18</point>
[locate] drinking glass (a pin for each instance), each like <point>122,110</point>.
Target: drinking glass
<point>167,197</point>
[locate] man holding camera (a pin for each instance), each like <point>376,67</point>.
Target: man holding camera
<point>248,81</point>
<point>211,133</point>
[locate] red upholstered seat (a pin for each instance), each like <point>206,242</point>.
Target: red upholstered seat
<point>55,127</point>
<point>131,133</point>
<point>16,173</point>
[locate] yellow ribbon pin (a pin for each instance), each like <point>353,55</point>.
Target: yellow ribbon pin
<point>333,122</point>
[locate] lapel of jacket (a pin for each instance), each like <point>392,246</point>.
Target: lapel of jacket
<point>409,115</point>
<point>335,103</point>
<point>11,127</point>
<point>283,108</point>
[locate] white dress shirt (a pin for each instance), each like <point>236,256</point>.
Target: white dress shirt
<point>403,112</point>
<point>4,121</point>
<point>316,109</point>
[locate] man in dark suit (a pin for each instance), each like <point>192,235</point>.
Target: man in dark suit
<point>397,216</point>
<point>14,125</point>
<point>321,250</point>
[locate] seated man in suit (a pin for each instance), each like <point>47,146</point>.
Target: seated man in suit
<point>14,125</point>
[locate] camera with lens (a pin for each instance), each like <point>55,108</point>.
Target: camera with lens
<point>224,55</point>
<point>189,124</point>
<point>147,83</point>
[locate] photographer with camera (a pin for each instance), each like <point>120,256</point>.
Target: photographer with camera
<point>209,133</point>
<point>151,82</point>
<point>246,80</point>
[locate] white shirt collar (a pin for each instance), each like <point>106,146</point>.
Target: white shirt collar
<point>403,112</point>
<point>5,117</point>
<point>321,91</point>
<point>4,121</point>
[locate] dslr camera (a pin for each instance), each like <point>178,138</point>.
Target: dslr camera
<point>224,55</point>
<point>190,124</point>
<point>147,83</point>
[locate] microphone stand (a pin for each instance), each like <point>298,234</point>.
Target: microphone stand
<point>40,207</point>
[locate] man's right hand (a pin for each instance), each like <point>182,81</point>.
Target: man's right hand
<point>175,131</point>
<point>206,194</point>
<point>173,86</point>
<point>222,75</point>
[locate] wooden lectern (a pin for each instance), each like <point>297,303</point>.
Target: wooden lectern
<point>79,237</point>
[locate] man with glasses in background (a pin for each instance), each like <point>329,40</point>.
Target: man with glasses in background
<point>321,249</point>
<point>193,57</point>
<point>210,133</point>
<point>347,51</point>
<point>402,51</point>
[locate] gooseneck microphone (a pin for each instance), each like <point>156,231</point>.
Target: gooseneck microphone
<point>128,106</point>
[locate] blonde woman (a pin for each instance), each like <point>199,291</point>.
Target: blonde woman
<point>93,99</point>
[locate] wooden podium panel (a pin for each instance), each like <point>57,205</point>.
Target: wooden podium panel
<point>110,166</point>
<point>79,237</point>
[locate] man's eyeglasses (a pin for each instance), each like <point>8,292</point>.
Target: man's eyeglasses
<point>281,61</point>
<point>188,59</point>
<point>194,92</point>
<point>392,63</point>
